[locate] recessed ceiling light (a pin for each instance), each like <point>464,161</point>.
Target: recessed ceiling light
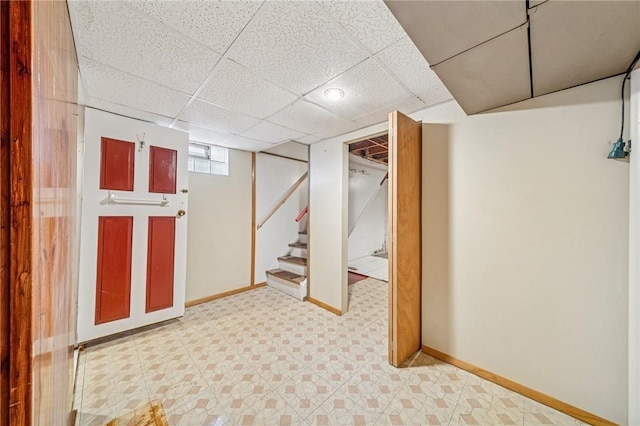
<point>333,94</point>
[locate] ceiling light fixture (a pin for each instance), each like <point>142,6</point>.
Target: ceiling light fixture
<point>333,94</point>
<point>618,149</point>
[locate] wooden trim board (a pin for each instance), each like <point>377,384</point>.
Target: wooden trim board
<point>325,306</point>
<point>20,214</point>
<point>225,294</point>
<point>518,388</point>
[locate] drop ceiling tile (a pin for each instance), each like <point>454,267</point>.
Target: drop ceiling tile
<point>407,106</point>
<point>296,45</point>
<point>370,22</point>
<point>436,96</point>
<point>367,87</point>
<point>217,118</point>
<point>337,130</point>
<point>308,139</point>
<point>201,134</point>
<point>407,63</point>
<point>213,23</point>
<point>234,87</point>
<point>128,112</point>
<point>247,144</point>
<point>491,75</point>
<point>109,84</point>
<point>124,38</point>
<point>270,132</point>
<point>578,42</point>
<point>442,29</point>
<point>307,118</point>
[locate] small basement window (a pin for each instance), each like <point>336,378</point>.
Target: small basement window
<point>209,159</point>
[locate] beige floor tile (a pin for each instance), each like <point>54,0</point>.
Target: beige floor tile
<point>262,358</point>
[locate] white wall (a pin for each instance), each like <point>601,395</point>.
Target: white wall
<point>534,234</point>
<point>328,189</point>
<point>274,177</point>
<point>219,235</point>
<point>367,208</point>
<point>634,254</point>
<point>533,227</point>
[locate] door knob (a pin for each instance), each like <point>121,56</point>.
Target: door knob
<point>181,213</point>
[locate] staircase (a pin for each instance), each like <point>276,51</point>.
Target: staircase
<point>291,276</point>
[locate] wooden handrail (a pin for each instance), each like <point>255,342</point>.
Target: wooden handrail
<point>284,199</point>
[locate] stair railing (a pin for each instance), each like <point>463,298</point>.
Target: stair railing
<point>302,213</point>
<point>283,199</point>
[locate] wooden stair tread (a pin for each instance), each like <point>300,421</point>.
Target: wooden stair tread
<point>298,245</point>
<point>294,259</point>
<point>287,276</point>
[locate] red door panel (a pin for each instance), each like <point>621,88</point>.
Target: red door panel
<point>117,162</point>
<point>160,262</point>
<point>113,283</point>
<point>162,170</point>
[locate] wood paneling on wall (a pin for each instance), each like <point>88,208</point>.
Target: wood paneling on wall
<point>38,258</point>
<point>55,109</point>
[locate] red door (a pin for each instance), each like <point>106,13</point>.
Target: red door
<point>134,227</point>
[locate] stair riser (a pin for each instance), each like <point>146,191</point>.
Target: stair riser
<point>285,287</point>
<point>302,238</point>
<point>292,267</point>
<point>298,252</point>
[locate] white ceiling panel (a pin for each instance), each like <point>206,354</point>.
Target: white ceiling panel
<point>115,86</point>
<point>246,144</point>
<point>128,112</point>
<point>296,45</point>
<point>370,22</point>
<point>270,132</point>
<point>114,34</point>
<point>367,87</point>
<point>436,96</point>
<point>442,29</point>
<point>233,87</point>
<point>213,23</point>
<point>338,129</point>
<point>491,75</point>
<point>201,134</point>
<point>307,118</point>
<point>564,42</point>
<point>408,64</point>
<point>308,139</point>
<point>407,106</point>
<point>217,118</point>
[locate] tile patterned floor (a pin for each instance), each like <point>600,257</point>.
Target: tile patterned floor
<point>264,358</point>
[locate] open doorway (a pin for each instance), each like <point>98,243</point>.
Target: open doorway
<point>367,255</point>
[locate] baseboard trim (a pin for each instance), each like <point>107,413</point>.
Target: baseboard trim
<point>225,294</point>
<point>518,388</point>
<point>325,306</point>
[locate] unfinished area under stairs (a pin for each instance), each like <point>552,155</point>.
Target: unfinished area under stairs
<point>291,275</point>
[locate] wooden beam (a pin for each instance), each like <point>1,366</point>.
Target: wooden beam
<point>5,226</point>
<point>21,200</point>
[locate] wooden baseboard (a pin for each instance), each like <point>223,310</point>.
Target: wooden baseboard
<point>518,388</point>
<point>225,294</point>
<point>325,306</point>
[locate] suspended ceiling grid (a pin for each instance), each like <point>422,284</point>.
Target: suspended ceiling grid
<point>493,53</point>
<point>250,74</point>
